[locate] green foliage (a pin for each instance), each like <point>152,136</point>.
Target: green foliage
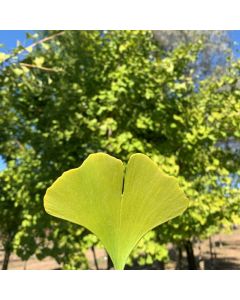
<point>119,92</point>
<point>149,253</point>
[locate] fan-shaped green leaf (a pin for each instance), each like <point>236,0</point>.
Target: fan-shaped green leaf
<point>118,209</point>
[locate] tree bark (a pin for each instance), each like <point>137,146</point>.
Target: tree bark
<point>213,254</point>
<point>200,263</point>
<point>95,257</point>
<point>180,257</point>
<point>109,262</point>
<point>190,255</point>
<point>7,245</point>
<point>6,259</point>
<point>162,265</point>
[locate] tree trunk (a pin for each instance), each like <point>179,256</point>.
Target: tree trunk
<point>180,256</point>
<point>6,259</point>
<point>220,241</point>
<point>190,255</point>
<point>25,265</point>
<point>213,254</point>
<point>162,265</point>
<point>95,257</point>
<point>8,250</point>
<point>201,264</point>
<point>109,262</point>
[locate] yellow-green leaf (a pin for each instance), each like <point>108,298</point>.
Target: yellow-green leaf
<point>118,209</point>
<point>39,61</point>
<point>3,57</point>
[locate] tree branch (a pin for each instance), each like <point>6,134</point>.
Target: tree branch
<point>38,67</point>
<point>46,39</point>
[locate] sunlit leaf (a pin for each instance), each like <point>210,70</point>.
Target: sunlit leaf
<point>92,196</point>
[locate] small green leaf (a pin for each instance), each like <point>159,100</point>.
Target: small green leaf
<point>118,209</point>
<point>39,61</point>
<point>3,57</point>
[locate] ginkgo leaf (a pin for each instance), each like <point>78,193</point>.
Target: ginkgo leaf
<point>118,208</point>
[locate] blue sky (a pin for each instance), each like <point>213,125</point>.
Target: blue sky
<point>9,39</point>
<point>235,35</point>
<point>2,164</point>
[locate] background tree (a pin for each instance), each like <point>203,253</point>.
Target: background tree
<point>215,54</point>
<point>80,92</point>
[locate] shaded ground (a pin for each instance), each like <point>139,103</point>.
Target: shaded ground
<point>225,256</point>
<point>227,252</point>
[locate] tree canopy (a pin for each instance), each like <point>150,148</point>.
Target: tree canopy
<point>119,92</point>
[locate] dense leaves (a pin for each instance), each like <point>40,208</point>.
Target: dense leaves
<point>80,92</point>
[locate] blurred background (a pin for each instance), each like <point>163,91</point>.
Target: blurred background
<point>173,95</point>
